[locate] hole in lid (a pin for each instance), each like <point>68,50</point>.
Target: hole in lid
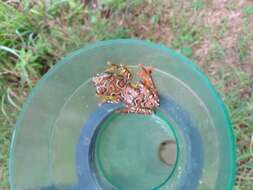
<point>167,152</point>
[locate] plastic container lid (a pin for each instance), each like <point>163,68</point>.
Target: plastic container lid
<point>127,149</point>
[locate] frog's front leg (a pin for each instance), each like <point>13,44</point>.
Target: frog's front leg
<point>108,99</point>
<point>137,110</point>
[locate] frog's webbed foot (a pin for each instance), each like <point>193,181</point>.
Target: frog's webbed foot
<point>127,110</point>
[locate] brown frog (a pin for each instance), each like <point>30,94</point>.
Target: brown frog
<point>115,85</point>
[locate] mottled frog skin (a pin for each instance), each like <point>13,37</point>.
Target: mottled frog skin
<point>141,97</point>
<point>110,84</point>
<point>115,85</point>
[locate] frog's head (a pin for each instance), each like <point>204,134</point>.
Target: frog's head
<point>100,79</point>
<point>97,80</point>
<point>119,70</point>
<point>99,83</point>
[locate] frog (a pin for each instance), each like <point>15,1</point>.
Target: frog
<point>115,85</point>
<point>110,83</point>
<point>141,97</point>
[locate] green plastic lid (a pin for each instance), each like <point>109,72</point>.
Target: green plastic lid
<point>132,152</point>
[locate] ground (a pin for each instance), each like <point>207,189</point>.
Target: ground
<point>216,34</point>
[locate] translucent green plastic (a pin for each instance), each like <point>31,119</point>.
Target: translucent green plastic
<point>43,145</point>
<point>128,154</point>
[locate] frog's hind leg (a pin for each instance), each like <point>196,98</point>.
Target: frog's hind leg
<point>127,110</point>
<point>124,110</point>
<point>145,111</point>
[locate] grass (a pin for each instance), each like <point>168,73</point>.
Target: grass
<point>35,34</point>
<point>249,10</point>
<point>198,4</point>
<point>217,52</point>
<point>187,36</point>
